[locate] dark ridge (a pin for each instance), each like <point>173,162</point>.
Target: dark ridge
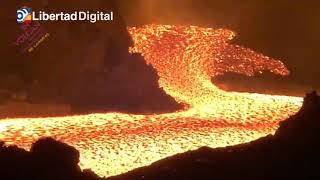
<point>292,153</point>
<point>263,83</point>
<point>47,160</point>
<point>81,65</point>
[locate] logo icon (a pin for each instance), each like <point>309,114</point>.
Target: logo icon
<point>24,15</point>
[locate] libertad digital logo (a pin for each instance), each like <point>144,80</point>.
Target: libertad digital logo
<point>24,15</point>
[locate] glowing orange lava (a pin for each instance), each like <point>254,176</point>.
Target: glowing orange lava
<point>185,58</point>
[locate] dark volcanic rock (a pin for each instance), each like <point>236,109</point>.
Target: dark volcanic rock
<point>48,159</point>
<point>54,156</point>
<point>80,63</point>
<point>304,127</point>
<point>264,83</point>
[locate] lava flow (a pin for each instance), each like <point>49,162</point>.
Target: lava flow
<point>186,58</point>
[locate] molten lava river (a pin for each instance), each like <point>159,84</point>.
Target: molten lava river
<point>186,57</point>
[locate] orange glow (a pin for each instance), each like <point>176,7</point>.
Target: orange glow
<point>185,58</point>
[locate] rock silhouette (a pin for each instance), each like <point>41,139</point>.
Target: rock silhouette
<point>47,159</point>
<point>82,64</point>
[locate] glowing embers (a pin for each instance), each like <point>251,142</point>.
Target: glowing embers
<point>185,58</point>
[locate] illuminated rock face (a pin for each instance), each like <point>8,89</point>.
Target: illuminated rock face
<point>185,58</point>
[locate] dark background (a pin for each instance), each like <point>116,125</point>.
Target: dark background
<point>84,65</point>
<point>284,29</point>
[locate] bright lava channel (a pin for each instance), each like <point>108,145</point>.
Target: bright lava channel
<point>186,57</point>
